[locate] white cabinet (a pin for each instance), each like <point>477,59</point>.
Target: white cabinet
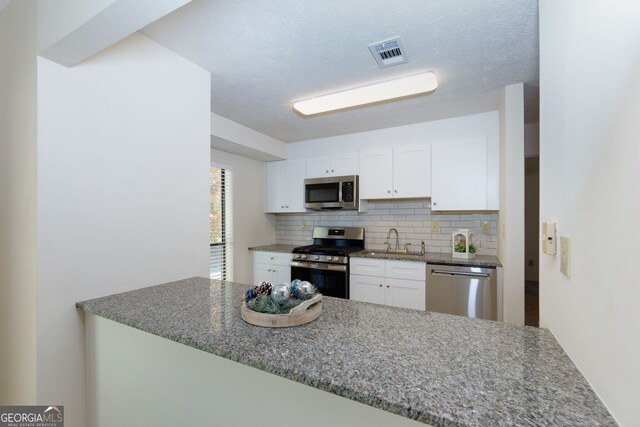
<point>459,175</point>
<point>395,283</point>
<point>403,171</point>
<point>285,186</point>
<point>335,165</point>
<point>272,267</point>
<point>376,173</point>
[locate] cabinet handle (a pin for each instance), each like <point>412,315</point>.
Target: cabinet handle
<point>282,207</point>
<point>327,171</point>
<point>389,191</point>
<point>332,170</point>
<point>434,203</point>
<point>287,207</point>
<point>271,258</point>
<point>380,285</point>
<point>388,286</point>
<point>395,191</point>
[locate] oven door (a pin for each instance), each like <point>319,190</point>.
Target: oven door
<point>331,280</point>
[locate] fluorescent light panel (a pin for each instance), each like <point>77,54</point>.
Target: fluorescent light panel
<point>392,89</point>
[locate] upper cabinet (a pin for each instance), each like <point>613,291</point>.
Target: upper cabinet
<point>285,186</point>
<point>459,175</point>
<point>334,165</point>
<point>403,171</point>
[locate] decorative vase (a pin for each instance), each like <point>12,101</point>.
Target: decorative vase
<point>462,245</point>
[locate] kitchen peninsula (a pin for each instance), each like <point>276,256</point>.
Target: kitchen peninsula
<point>389,366</point>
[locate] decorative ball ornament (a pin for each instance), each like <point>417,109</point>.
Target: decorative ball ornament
<point>294,287</point>
<point>306,289</point>
<point>264,288</point>
<point>281,292</point>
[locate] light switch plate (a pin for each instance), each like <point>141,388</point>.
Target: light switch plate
<point>435,227</point>
<point>565,255</point>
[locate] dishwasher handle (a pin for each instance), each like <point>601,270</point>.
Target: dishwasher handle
<point>450,273</point>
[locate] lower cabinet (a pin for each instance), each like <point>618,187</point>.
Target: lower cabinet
<point>395,283</point>
<point>272,267</point>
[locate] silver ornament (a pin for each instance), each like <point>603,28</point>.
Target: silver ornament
<point>281,292</point>
<point>296,282</point>
<point>306,289</point>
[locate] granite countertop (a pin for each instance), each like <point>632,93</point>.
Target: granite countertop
<point>274,248</point>
<point>430,367</point>
<point>432,257</point>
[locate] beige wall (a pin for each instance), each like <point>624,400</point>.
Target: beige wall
<point>251,226</point>
<point>589,174</point>
<point>18,202</point>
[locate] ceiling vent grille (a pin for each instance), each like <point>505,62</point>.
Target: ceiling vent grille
<point>389,52</point>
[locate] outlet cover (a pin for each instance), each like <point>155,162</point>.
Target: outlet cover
<point>435,227</point>
<point>565,255</point>
<point>485,227</point>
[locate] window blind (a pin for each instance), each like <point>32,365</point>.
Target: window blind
<point>221,226</point>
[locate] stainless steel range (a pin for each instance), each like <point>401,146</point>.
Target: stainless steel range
<point>326,262</point>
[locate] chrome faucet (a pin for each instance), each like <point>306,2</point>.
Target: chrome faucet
<point>397,240</point>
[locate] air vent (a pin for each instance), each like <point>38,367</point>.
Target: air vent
<point>389,52</point>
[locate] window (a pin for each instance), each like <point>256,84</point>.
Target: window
<point>220,232</point>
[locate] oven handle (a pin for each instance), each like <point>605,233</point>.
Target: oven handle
<point>319,266</point>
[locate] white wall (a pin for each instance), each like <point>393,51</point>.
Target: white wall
<point>511,218</point>
<point>589,153</point>
<point>438,130</point>
<point>238,139</point>
<point>251,226</point>
<point>57,18</point>
<point>123,184</point>
<point>18,202</point>
<point>153,381</point>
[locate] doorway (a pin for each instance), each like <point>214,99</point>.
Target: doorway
<point>531,240</point>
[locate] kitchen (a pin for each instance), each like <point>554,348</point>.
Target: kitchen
<point>131,250</point>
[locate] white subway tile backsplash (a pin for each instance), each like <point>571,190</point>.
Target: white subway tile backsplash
<point>412,219</point>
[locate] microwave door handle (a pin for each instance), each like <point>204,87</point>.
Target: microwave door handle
<point>340,192</point>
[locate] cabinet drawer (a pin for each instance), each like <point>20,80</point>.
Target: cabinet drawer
<point>367,266</point>
<point>409,270</point>
<point>272,258</point>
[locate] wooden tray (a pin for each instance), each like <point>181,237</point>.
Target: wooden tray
<point>306,312</point>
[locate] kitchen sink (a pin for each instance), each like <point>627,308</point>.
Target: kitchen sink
<point>383,254</point>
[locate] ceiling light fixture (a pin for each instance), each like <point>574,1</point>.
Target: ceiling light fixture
<point>391,89</point>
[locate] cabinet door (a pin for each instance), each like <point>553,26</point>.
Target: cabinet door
<point>367,288</point>
<point>376,174</point>
<point>412,171</point>
<point>405,293</point>
<point>318,167</point>
<point>296,171</point>
<point>367,266</point>
<point>264,272</point>
<point>408,270</point>
<point>459,175</point>
<point>344,164</point>
<point>276,186</point>
<point>282,274</point>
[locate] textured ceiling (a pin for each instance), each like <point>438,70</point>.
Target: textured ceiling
<point>265,54</point>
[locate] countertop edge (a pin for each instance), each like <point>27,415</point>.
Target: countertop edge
<point>351,394</point>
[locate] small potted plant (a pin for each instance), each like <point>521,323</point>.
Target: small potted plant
<point>462,243</point>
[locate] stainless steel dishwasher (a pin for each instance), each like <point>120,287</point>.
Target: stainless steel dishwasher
<point>462,290</point>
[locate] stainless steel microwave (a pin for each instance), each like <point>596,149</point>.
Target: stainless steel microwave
<point>337,192</point>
